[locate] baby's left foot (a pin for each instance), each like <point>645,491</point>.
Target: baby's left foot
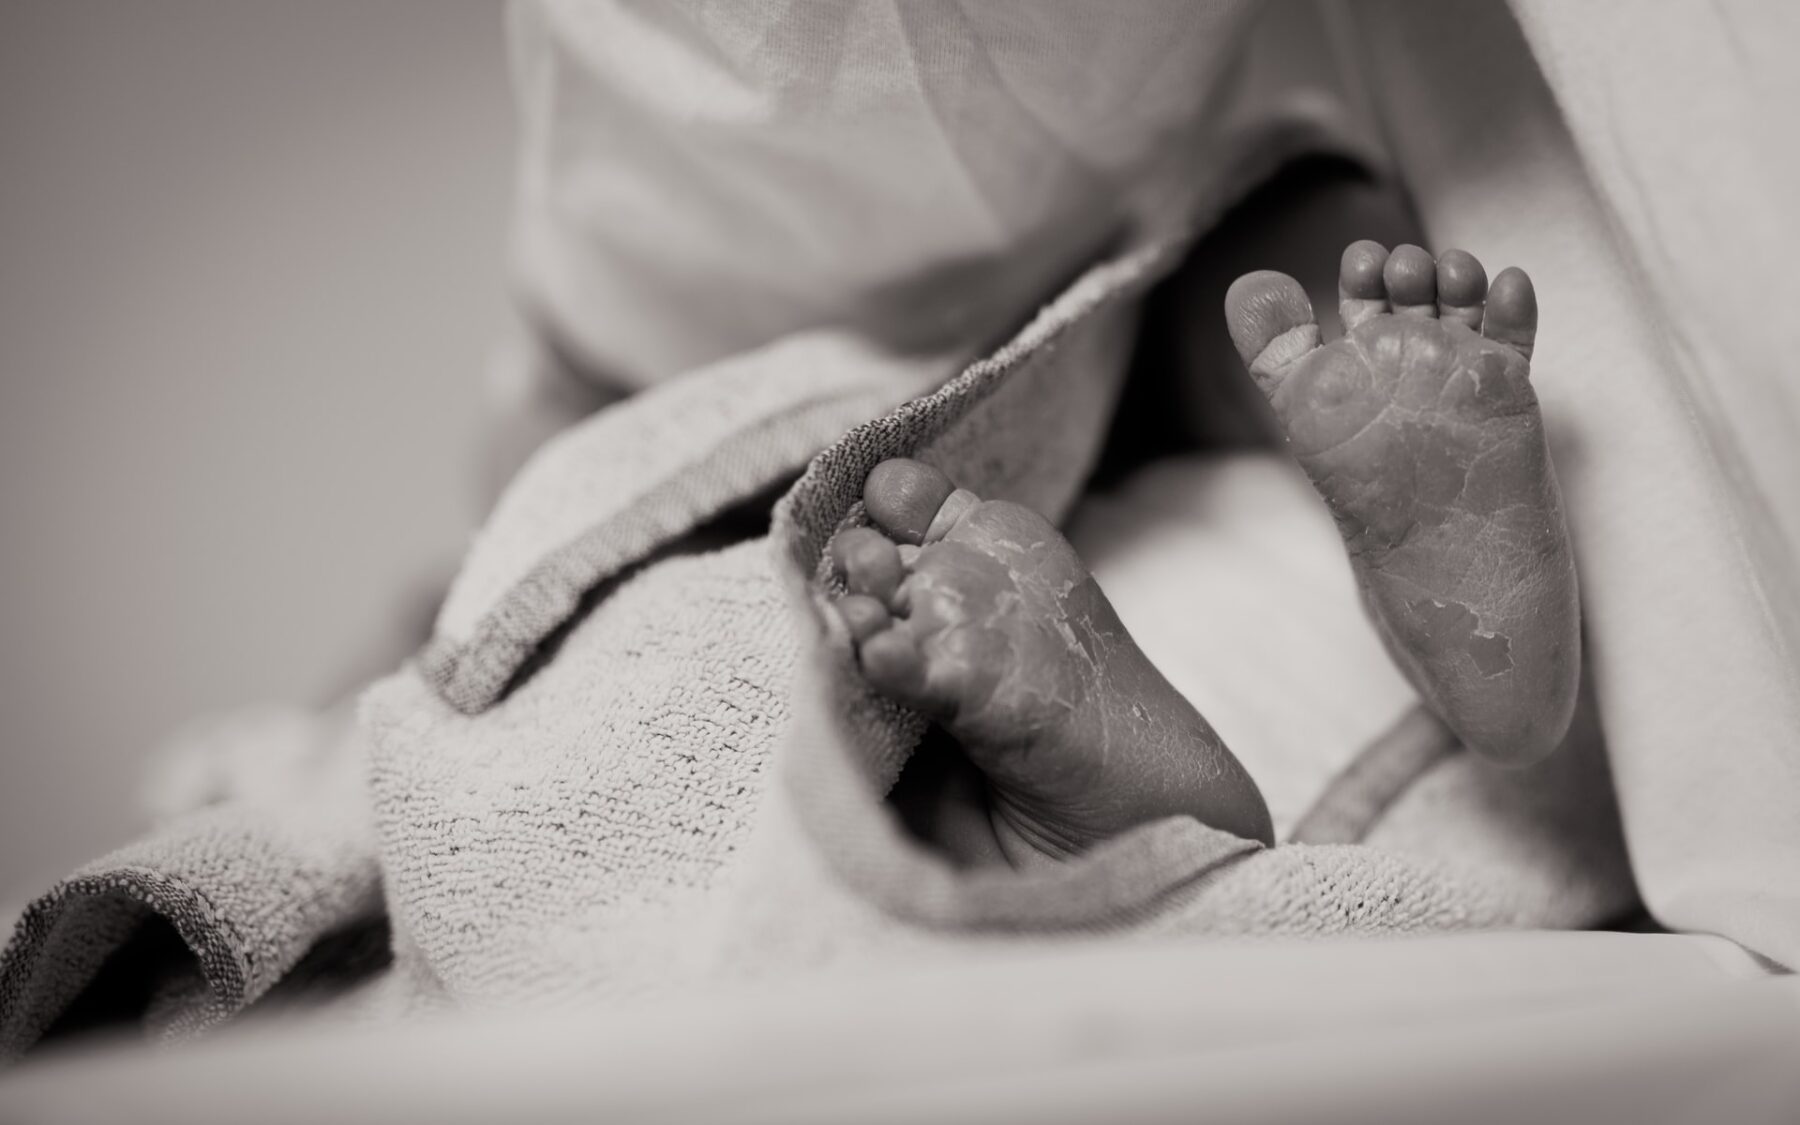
<point>1421,431</point>
<point>980,615</point>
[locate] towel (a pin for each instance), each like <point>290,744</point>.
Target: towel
<point>630,760</point>
<point>267,848</point>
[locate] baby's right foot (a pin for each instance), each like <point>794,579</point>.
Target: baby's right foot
<point>981,616</point>
<point>1421,431</point>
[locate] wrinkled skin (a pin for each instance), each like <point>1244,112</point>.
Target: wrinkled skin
<point>1426,442</point>
<point>999,633</point>
<point>1421,432</point>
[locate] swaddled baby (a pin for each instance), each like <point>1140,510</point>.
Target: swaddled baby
<point>1420,431</point>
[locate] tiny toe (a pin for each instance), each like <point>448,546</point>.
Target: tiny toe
<point>903,496</point>
<point>1272,324</point>
<point>1512,312</point>
<point>1461,288</point>
<point>1411,279</point>
<point>870,562</point>
<point>1361,292</point>
<point>865,616</point>
<point>900,605</point>
<point>893,666</point>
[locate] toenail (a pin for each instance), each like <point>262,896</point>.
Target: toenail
<point>1359,272</point>
<point>1513,296</point>
<point>1411,276</point>
<point>954,509</point>
<point>1461,281</point>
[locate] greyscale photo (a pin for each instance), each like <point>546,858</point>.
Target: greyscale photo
<point>899,561</point>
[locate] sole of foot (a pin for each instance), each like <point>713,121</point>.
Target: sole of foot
<point>979,615</point>
<point>1421,431</point>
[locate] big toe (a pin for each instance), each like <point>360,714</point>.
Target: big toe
<point>1271,323</point>
<point>903,497</point>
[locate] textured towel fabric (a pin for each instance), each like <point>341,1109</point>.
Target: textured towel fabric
<point>269,847</point>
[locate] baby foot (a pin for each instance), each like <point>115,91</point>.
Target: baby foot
<point>1421,431</point>
<point>982,617</point>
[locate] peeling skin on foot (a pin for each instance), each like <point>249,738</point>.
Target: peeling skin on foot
<point>954,509</point>
<point>1422,434</point>
<point>1282,351</point>
<point>1451,627</point>
<point>1022,658</point>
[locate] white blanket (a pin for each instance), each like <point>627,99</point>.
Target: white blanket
<point>698,180</point>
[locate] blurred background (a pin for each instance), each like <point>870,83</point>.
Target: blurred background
<point>250,265</point>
